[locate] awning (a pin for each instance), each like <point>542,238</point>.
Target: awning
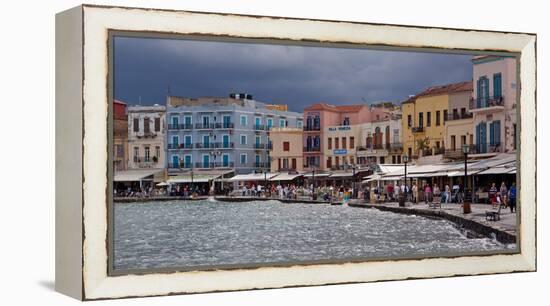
<point>496,170</point>
<point>461,173</point>
<point>285,177</point>
<point>197,178</point>
<point>136,175</point>
<point>323,174</point>
<point>341,174</point>
<point>251,177</point>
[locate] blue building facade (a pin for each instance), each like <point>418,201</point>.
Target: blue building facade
<point>222,133</point>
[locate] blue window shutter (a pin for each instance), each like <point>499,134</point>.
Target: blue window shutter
<point>497,131</point>
<point>478,98</point>
<point>478,136</point>
<point>492,133</point>
<point>497,85</point>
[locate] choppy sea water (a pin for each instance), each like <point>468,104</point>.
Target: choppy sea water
<point>206,233</point>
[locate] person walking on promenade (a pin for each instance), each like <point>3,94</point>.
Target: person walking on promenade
<point>437,192</point>
<point>389,191</point>
<point>503,193</point>
<point>512,197</point>
<point>493,195</point>
<point>414,193</point>
<point>447,193</point>
<point>427,193</point>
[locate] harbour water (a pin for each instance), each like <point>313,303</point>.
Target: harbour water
<point>208,233</point>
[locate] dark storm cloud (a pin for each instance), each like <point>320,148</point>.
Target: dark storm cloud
<point>293,75</point>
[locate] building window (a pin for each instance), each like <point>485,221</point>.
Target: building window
<point>286,146</point>
<point>282,122</point>
<point>344,142</point>
<point>136,124</point>
<point>299,124</point>
<point>146,125</point>
<point>346,121</point>
<point>244,120</point>
<point>243,139</point>
<point>243,158</point>
<point>409,120</point>
<point>393,159</point>
<point>437,119</point>
<point>497,85</point>
<point>329,143</point>
<point>462,140</point>
<point>157,152</point>
<point>285,163</point>
<point>136,154</point>
<point>420,119</point>
<point>463,112</point>
<point>428,118</point>
<point>445,115</point>
<point>453,142</point>
<point>119,150</point>
<point>147,157</point>
<point>157,124</point>
<point>336,142</point>
<point>352,142</point>
<point>329,162</point>
<point>269,123</point>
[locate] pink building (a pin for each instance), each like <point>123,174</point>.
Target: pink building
<point>494,104</point>
<point>320,115</point>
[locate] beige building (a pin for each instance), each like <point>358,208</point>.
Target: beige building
<point>380,141</point>
<point>459,125</point>
<point>285,151</point>
<point>146,133</point>
<point>339,145</point>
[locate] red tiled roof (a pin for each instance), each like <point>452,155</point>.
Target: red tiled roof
<point>335,108</point>
<point>442,90</point>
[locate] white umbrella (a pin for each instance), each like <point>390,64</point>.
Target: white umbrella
<point>162,184</point>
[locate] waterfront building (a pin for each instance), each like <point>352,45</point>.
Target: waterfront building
<point>424,119</point>
<point>494,104</point>
<point>321,115</point>
<point>380,141</point>
<point>223,132</point>
<point>120,136</point>
<point>459,123</point>
<point>286,150</point>
<point>339,147</point>
<point>146,134</point>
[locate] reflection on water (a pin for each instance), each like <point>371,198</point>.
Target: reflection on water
<point>197,233</point>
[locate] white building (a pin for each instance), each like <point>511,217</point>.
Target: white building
<point>146,133</point>
<point>381,142</point>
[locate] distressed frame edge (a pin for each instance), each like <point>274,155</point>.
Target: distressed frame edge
<point>69,73</point>
<point>527,263</point>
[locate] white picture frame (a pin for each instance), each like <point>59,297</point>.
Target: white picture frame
<point>82,112</point>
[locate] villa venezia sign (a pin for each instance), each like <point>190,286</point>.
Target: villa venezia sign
<point>340,128</point>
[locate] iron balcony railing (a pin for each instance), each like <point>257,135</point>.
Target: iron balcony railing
<point>180,165</point>
<point>213,165</point>
<point>459,116</point>
<point>457,153</point>
<point>174,146</point>
<point>259,127</point>
<point>484,102</point>
<point>417,129</point>
<point>225,125</point>
<point>312,149</point>
<point>494,147</point>
<point>260,165</point>
<point>201,126</point>
<point>312,128</point>
<point>260,146</point>
<point>183,126</point>
<point>223,145</point>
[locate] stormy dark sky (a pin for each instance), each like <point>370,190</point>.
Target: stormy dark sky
<point>293,75</point>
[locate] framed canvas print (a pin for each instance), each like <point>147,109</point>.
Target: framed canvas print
<point>202,152</point>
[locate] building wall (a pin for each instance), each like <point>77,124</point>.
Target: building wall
<point>336,157</point>
<point>488,67</point>
<point>139,140</point>
<point>120,136</point>
<point>234,109</point>
<point>294,154</point>
<point>391,147</point>
<point>434,132</point>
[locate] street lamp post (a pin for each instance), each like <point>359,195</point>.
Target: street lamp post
<point>404,197</point>
<point>313,189</point>
<point>353,195</point>
<point>467,199</point>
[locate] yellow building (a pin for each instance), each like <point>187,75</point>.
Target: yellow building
<point>424,118</point>
<point>286,150</point>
